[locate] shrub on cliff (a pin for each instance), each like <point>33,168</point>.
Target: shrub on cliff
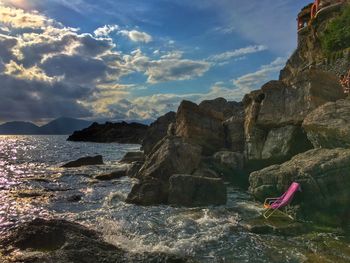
<point>337,34</point>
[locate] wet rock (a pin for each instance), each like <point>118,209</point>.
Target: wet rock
<point>171,155</point>
<point>275,225</point>
<point>113,175</point>
<point>74,198</point>
<point>59,241</point>
<point>96,160</point>
<point>324,177</point>
<point>189,190</point>
<point>111,132</point>
<point>201,126</point>
<point>131,157</point>
<point>329,125</point>
<point>157,131</point>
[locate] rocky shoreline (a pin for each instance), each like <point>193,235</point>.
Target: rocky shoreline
<point>295,129</point>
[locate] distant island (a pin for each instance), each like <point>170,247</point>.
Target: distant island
<point>60,126</point>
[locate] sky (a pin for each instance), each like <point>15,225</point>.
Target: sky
<point>136,59</point>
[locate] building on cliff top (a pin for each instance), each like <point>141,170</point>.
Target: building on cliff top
<point>309,12</point>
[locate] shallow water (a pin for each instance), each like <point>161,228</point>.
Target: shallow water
<point>32,184</point>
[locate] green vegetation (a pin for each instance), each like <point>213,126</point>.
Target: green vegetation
<point>337,34</point>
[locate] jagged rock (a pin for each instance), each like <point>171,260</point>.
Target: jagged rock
<point>131,157</point>
<point>220,107</point>
<point>201,126</point>
<point>111,132</point>
<point>329,125</point>
<point>157,131</point>
<point>60,241</point>
<point>276,107</point>
<point>233,159</point>
<point>234,130</point>
<point>189,190</point>
<point>133,169</point>
<point>285,142</point>
<point>169,156</point>
<point>113,175</point>
<point>277,104</point>
<point>96,160</point>
<point>324,177</point>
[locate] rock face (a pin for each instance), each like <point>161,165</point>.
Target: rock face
<point>157,131</point>
<point>274,114</point>
<point>324,177</point>
<point>172,155</point>
<point>234,130</point>
<point>329,125</point>
<point>96,160</point>
<point>189,190</point>
<point>201,126</point>
<point>111,132</point>
<point>59,241</point>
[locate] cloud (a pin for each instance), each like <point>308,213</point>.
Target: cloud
<point>254,80</point>
<point>137,36</point>
<point>106,30</point>
<point>237,53</point>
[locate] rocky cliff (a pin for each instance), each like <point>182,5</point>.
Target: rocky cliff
<point>200,146</point>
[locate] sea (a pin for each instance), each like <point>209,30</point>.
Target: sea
<point>33,184</point>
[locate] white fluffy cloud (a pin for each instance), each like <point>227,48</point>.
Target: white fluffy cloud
<point>137,36</point>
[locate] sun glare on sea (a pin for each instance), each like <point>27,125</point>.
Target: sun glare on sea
<point>17,3</point>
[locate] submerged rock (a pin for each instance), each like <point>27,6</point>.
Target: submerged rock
<point>189,190</point>
<point>171,155</point>
<point>60,241</point>
<point>325,182</point>
<point>96,160</point>
<point>111,132</point>
<point>329,125</point>
<point>113,175</point>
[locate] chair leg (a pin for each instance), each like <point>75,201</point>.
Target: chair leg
<point>267,214</point>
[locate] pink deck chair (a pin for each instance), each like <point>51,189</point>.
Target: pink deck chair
<point>274,204</point>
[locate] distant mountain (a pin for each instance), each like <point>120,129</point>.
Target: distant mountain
<point>19,127</point>
<point>57,126</point>
<point>64,126</point>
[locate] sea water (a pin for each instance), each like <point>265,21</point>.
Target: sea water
<point>32,184</point>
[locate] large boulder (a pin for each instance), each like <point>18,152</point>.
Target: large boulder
<point>220,107</point>
<point>95,160</point>
<point>285,142</point>
<point>157,131</point>
<point>277,104</point>
<point>201,126</point>
<point>172,155</point>
<point>329,125</point>
<point>325,182</point>
<point>189,190</point>
<point>60,241</point>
